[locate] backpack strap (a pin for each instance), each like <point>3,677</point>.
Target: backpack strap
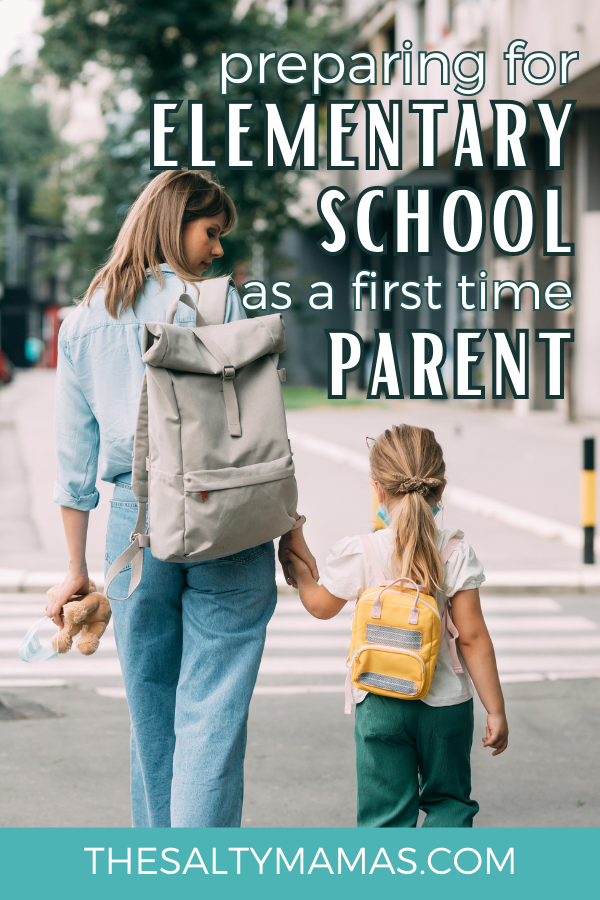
<point>227,374</point>
<point>373,560</point>
<point>134,555</point>
<point>141,447</point>
<point>139,483</point>
<point>187,300</point>
<point>213,299</point>
<point>212,302</point>
<point>447,623</point>
<point>449,549</point>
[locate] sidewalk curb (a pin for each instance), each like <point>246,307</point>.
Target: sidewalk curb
<point>20,581</point>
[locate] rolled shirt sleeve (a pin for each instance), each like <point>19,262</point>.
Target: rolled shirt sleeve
<point>77,438</point>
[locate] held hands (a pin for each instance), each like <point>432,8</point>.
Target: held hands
<point>496,733</point>
<point>301,575</point>
<point>294,541</point>
<point>315,598</point>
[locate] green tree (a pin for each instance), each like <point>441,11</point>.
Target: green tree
<point>159,50</point>
<point>31,151</point>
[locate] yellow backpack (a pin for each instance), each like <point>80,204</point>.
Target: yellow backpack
<point>396,634</point>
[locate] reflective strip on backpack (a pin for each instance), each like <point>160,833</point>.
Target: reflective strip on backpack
<point>388,683</point>
<point>397,637</point>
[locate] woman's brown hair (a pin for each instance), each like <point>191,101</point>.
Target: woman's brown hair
<point>152,234</point>
<point>408,464</point>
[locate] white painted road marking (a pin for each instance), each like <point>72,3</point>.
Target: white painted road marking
<point>32,682</point>
<point>496,624</point>
<point>534,642</point>
<point>331,665</point>
<point>11,645</point>
<point>486,507</point>
<point>529,643</point>
<point>64,667</point>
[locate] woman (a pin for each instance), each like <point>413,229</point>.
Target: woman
<point>190,639</point>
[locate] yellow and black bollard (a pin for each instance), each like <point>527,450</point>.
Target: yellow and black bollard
<point>588,499</point>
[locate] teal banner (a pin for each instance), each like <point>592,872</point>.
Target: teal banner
<point>322,863</point>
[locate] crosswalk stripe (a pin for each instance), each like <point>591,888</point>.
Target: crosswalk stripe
<point>302,665</point>
<point>534,641</point>
<point>341,642</point>
<point>11,644</point>
<point>519,604</point>
<point>496,624</point>
<point>32,682</point>
<point>299,689</point>
<point>20,611</point>
<point>572,663</point>
<point>21,625</point>
<point>308,624</point>
<point>36,611</point>
<point>331,665</point>
<point>552,642</point>
<point>491,604</point>
<point>63,667</point>
<point>524,643</point>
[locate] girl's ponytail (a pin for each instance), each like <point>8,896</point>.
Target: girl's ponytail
<point>407,462</point>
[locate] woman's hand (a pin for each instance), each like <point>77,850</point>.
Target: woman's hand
<point>299,571</point>
<point>294,541</point>
<point>62,593</point>
<point>496,733</point>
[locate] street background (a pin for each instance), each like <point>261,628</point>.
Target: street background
<point>65,722</point>
<point>75,92</point>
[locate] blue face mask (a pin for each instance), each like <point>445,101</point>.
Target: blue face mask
<point>383,514</point>
<point>32,650</point>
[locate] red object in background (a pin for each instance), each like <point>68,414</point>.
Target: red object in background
<point>53,318</point>
<point>5,369</point>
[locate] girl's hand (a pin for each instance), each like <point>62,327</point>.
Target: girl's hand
<point>62,593</point>
<point>294,541</point>
<point>496,733</point>
<point>300,573</point>
<point>315,597</point>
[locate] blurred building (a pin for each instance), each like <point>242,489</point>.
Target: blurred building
<point>453,26</point>
<point>35,290</point>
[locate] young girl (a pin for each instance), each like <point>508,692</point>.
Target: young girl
<point>191,637</point>
<point>415,754</point>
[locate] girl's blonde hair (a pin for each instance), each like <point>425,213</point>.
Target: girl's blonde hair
<point>152,234</point>
<point>407,462</point>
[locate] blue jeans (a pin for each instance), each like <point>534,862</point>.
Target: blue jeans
<point>190,641</point>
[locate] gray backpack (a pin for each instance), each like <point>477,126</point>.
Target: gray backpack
<point>211,452</point>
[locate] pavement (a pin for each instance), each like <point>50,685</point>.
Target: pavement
<point>516,495</point>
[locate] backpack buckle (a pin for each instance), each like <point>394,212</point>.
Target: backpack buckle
<point>143,539</point>
<point>228,372</point>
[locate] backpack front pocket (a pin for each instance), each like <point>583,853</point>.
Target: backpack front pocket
<point>391,671</point>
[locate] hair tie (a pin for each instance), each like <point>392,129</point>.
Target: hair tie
<point>422,486</point>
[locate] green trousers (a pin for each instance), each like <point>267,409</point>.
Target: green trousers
<point>411,756</point>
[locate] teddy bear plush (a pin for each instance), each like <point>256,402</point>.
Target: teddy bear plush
<point>86,615</point>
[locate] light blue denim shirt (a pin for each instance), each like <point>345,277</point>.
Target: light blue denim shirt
<point>98,382</point>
